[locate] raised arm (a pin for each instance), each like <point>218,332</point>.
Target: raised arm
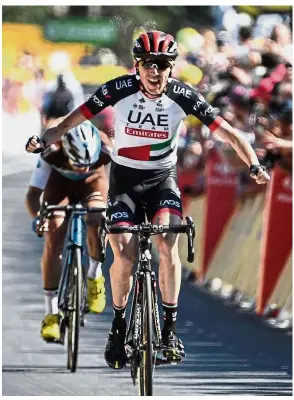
<point>201,109</point>
<point>96,103</point>
<point>244,150</point>
<point>239,143</point>
<point>62,125</point>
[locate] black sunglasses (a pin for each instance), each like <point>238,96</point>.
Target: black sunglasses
<point>161,65</point>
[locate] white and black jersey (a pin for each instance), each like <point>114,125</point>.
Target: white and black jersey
<point>147,130</point>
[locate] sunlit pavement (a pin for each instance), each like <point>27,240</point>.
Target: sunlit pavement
<point>228,352</point>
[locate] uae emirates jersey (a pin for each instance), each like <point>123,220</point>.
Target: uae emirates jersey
<point>146,131</point>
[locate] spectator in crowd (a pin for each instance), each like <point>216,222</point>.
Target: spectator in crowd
<point>250,82</point>
<point>57,102</point>
<point>246,77</point>
<point>280,42</point>
<point>277,138</point>
<point>245,36</point>
<point>98,56</point>
<point>34,90</point>
<point>90,57</point>
<point>60,64</point>
<point>27,60</point>
<point>11,95</point>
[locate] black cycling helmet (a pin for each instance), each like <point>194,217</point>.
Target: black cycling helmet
<point>155,44</point>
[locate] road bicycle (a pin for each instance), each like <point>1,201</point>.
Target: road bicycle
<point>72,291</point>
<point>143,342</point>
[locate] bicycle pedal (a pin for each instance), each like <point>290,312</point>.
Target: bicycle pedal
<point>132,354</point>
<point>160,359</point>
<point>173,356</point>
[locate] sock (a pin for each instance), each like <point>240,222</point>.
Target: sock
<point>51,301</point>
<point>170,317</point>
<point>119,315</point>
<point>95,270</point>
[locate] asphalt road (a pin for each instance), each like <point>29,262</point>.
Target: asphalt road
<point>228,352</point>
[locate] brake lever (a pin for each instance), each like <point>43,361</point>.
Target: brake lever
<point>101,236</point>
<point>42,211</point>
<point>191,237</point>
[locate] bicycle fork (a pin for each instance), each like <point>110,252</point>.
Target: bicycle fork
<point>133,346</point>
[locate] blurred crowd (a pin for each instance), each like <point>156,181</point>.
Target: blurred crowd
<point>246,75</point>
<point>248,80</point>
<point>29,84</point>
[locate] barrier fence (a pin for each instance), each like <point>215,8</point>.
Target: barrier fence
<point>244,246</point>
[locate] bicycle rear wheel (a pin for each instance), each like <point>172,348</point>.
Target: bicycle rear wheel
<point>74,307</point>
<point>146,364</point>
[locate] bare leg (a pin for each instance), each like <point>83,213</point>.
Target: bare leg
<point>51,262</point>
<point>124,249</point>
<point>170,270</point>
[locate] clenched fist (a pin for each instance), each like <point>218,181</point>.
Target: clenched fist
<point>35,144</point>
<point>259,174</point>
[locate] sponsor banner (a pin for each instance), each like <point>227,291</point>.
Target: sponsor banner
<point>187,179</point>
<point>146,133</point>
<point>240,240</point>
<point>221,187</point>
<point>100,32</point>
<point>277,239</point>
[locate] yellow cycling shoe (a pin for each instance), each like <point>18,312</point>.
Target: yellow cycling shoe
<point>96,294</point>
<point>50,328</point>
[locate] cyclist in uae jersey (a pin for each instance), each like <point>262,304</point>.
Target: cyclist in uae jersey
<point>148,110</point>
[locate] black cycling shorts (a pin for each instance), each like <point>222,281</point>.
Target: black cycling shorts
<point>134,193</point>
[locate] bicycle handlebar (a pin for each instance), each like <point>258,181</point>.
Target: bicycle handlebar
<point>147,230</point>
<point>78,208</point>
<point>71,207</point>
<point>45,209</point>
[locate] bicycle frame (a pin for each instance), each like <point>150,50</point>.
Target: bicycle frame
<point>132,343</point>
<point>143,338</point>
<point>72,290</point>
<point>144,265</point>
<point>73,270</point>
<point>75,231</point>
<point>74,238</point>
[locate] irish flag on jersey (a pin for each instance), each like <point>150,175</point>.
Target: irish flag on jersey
<point>151,152</point>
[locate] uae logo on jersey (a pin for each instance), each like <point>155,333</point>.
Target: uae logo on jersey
<point>152,152</point>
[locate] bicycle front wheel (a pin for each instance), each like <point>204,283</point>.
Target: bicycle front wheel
<point>146,364</point>
<point>74,307</point>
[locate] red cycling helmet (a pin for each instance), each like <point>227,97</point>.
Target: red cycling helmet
<point>155,44</point>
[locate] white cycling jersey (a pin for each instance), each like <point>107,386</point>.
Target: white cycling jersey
<point>147,130</point>
<point>40,174</point>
